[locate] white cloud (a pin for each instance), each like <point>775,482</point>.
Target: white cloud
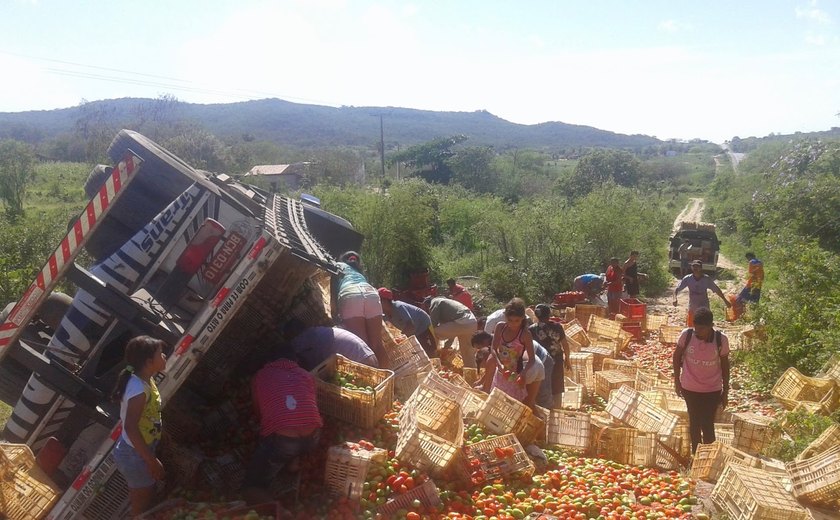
<point>813,13</point>
<point>816,39</point>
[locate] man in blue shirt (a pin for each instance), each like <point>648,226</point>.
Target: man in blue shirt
<point>411,320</point>
<point>698,284</point>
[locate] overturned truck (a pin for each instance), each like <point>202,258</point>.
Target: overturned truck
<point>212,266</point>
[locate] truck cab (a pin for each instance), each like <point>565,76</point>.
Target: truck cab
<point>211,266</point>
<point>703,245</point>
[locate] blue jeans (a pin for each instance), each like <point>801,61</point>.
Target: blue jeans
<point>273,453</point>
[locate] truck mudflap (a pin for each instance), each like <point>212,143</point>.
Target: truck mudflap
<point>69,248</point>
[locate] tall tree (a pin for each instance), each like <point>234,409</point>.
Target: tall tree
<point>604,166</point>
<point>429,160</point>
<point>17,170</point>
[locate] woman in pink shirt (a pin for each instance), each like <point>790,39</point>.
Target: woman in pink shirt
<point>701,375</point>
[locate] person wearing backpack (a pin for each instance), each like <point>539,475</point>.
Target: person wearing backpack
<point>701,375</point>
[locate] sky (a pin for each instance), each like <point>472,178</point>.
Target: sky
<point>671,69</point>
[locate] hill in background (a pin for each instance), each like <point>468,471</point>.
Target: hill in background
<point>310,126</point>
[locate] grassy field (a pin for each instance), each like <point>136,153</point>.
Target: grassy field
<point>5,412</point>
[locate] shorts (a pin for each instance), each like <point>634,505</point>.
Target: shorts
<point>535,373</point>
<point>132,466</point>
<point>273,453</point>
<point>749,295</point>
<point>360,301</point>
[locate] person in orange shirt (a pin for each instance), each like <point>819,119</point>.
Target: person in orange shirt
<point>755,278</point>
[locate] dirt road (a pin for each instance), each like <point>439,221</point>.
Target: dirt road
<point>663,304</point>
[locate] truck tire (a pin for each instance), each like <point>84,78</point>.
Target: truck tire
<point>162,177</point>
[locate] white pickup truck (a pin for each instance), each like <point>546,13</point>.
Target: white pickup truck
<point>703,245</point>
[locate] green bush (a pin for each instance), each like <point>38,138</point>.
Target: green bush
<point>801,427</point>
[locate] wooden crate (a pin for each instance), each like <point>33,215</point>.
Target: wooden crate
<point>711,459</point>
<point>753,432</point>
<point>669,334</point>
<point>502,413</point>
<point>608,380</point>
<point>427,493</point>
<point>358,407</point>
<point>629,367</point>
<point>583,369</point>
<point>816,480</point>
<point>793,387</point>
<point>347,468</point>
<point>827,440</point>
<point>574,330</point>
<point>480,463</point>
<point>630,407</point>
<point>569,430</point>
<point>749,493</point>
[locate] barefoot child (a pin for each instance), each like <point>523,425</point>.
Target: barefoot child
<point>140,414</point>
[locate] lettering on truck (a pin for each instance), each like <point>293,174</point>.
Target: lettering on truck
<point>232,296</point>
<point>224,258</point>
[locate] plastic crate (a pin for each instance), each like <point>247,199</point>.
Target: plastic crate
<point>471,375</point>
<point>574,330</point>
<point>753,432</point>
<point>433,412</point>
<point>531,429</point>
<point>501,413</point>
<point>391,338</point>
<point>725,433</point>
<point>583,369</point>
<point>654,321</point>
<point>829,438</point>
<point>470,400</point>
<point>674,403</point>
<point>613,442</point>
<point>181,462</point>
<point>644,450</point>
<point>793,387</point>
<point>650,380</point>
<point>425,451</point>
<point>480,463</point>
<point>15,457</point>
<point>711,459</point>
<point>669,334</point>
<point>225,471</point>
<point>633,308</point>
<point>631,368</point>
<point>816,480</point>
<point>664,459</point>
<point>347,469</point>
<point>426,493</point>
<point>405,383</point>
<point>603,327</point>
<point>832,368</point>
<point>599,354</point>
<point>409,352</point>
<point>569,429</point>
<point>584,311</point>
<point>634,328</point>
<point>608,380</point>
<point>25,494</point>
<point>748,493</point>
<point>358,407</point>
<point>573,394</point>
<point>630,407</point>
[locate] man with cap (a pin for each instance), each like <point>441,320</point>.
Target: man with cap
<point>552,336</point>
<point>698,284</point>
<point>452,319</point>
<point>411,320</point>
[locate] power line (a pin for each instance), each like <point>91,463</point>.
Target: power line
<point>180,84</point>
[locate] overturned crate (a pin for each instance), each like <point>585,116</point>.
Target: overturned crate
<point>793,387</point>
<point>347,469</point>
<point>608,380</point>
<point>749,493</point>
<point>711,459</point>
<point>630,407</point>
<point>829,438</point>
<point>753,432</point>
<point>493,459</point>
<point>431,431</point>
<point>426,493</point>
<point>575,331</point>
<point>583,369</point>
<point>569,430</point>
<point>816,480</point>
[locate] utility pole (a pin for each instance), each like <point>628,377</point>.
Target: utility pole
<point>382,146</point>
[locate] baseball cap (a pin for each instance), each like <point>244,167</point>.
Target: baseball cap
<point>697,262</point>
<point>542,311</point>
<point>385,294</point>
